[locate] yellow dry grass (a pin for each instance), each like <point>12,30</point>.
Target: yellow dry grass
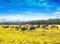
<point>39,36</point>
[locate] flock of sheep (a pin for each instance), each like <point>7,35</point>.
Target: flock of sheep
<point>29,27</point>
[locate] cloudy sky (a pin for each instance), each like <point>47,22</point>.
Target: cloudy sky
<point>26,10</point>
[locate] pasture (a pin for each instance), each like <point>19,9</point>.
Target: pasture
<point>38,36</point>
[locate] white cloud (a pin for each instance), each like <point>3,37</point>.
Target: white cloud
<point>28,17</point>
<point>20,18</point>
<point>57,13</point>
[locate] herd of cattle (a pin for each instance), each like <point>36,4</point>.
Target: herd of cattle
<point>30,27</point>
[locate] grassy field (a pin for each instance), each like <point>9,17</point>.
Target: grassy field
<point>39,36</point>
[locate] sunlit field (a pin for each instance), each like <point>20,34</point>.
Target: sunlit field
<point>39,36</point>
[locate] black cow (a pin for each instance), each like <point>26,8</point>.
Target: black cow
<point>17,28</point>
<point>32,27</point>
<point>5,26</point>
<point>24,28</point>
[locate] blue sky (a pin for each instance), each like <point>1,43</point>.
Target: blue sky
<point>26,10</point>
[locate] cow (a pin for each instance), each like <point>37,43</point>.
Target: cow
<point>38,26</point>
<point>32,28</point>
<point>45,26</point>
<point>20,26</point>
<point>17,27</point>
<point>54,26</point>
<point>12,26</point>
<point>24,28</point>
<point>5,26</point>
<point>27,25</point>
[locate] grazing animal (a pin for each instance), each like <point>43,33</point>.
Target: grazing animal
<point>20,26</point>
<point>5,26</point>
<point>44,26</point>
<point>12,26</point>
<point>54,26</point>
<point>24,28</point>
<point>27,25</point>
<point>38,26</point>
<point>32,28</point>
<point>17,27</point>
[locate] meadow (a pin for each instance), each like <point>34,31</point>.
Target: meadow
<point>39,36</point>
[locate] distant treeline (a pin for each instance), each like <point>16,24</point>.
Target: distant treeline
<point>49,21</point>
<point>9,23</point>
